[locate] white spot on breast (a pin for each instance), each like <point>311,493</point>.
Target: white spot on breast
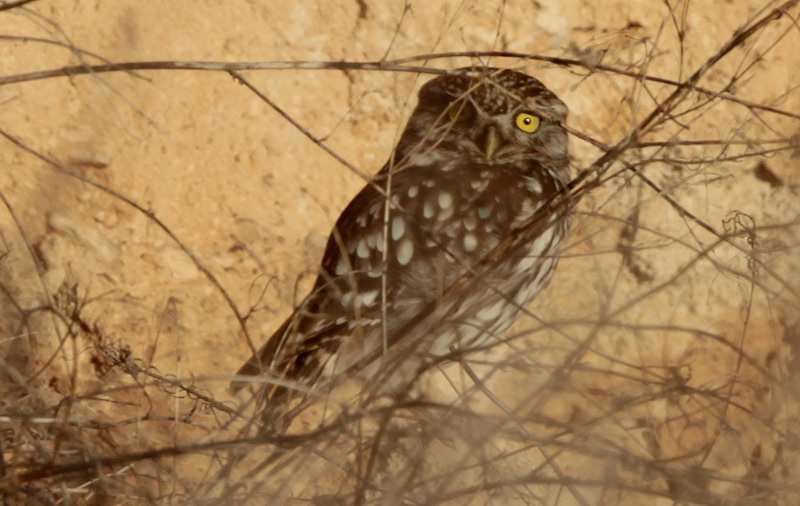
<point>363,249</point>
<point>362,220</point>
<point>470,242</point>
<point>470,222</point>
<point>542,243</point>
<point>405,250</point>
<point>398,227</point>
<point>366,299</point>
<point>445,200</point>
<point>422,160</point>
<point>347,299</point>
<point>428,183</point>
<point>484,212</point>
<point>491,313</point>
<point>533,184</point>
<point>479,184</point>
<point>413,191</point>
<point>527,262</point>
<point>427,209</point>
<point>341,267</point>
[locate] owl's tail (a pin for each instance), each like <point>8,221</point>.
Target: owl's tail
<point>261,363</point>
<point>297,351</point>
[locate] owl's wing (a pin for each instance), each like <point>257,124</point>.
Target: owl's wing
<point>298,348</point>
<point>377,274</point>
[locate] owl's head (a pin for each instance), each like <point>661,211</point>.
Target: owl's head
<point>486,115</point>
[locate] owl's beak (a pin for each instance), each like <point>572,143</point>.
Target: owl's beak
<point>491,142</point>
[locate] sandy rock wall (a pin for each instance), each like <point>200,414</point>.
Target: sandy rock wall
<point>659,366</point>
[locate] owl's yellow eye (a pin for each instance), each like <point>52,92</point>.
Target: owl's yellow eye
<point>459,111</point>
<point>527,122</point>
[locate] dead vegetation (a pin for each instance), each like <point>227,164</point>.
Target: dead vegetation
<point>156,228</point>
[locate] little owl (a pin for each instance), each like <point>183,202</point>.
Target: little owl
<point>443,248</point>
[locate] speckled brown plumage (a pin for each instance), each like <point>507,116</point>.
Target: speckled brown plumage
<point>466,175</point>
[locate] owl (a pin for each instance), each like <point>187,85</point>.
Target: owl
<point>443,248</point>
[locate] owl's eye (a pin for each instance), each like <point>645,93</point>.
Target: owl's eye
<point>527,122</point>
<point>459,111</point>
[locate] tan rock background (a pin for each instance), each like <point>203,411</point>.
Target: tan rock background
<point>683,383</point>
